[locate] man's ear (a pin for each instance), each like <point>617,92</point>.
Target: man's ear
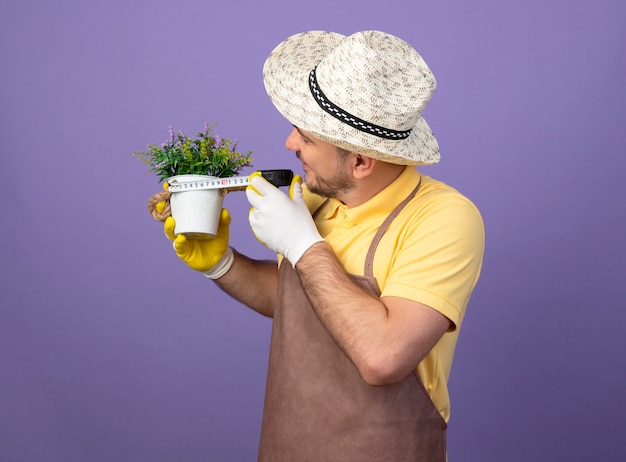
<point>363,166</point>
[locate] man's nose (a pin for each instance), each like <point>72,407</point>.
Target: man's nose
<point>291,141</point>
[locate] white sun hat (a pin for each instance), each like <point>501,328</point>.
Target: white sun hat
<point>365,93</point>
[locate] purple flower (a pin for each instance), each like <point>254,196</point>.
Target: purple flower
<point>172,134</point>
<point>234,148</point>
<point>218,141</point>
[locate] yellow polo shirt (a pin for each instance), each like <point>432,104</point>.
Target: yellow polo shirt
<point>431,253</point>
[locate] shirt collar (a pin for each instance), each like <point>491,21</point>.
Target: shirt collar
<point>382,204</point>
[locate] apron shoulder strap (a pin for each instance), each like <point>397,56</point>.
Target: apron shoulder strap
<point>368,271</point>
<point>319,209</point>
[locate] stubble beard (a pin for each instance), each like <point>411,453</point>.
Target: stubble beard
<point>334,187</point>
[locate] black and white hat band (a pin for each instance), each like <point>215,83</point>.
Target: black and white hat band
<point>352,120</point>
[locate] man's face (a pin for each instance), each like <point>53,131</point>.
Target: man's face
<point>325,166</point>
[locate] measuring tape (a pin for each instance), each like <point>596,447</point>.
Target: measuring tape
<point>217,183</point>
<point>276,177</point>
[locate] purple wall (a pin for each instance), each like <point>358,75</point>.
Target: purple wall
<point>111,349</point>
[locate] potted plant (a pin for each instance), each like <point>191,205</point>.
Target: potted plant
<point>182,159</point>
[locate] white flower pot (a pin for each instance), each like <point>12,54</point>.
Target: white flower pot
<point>197,212</point>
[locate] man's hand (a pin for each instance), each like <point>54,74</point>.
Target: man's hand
<point>212,257</point>
<point>282,223</point>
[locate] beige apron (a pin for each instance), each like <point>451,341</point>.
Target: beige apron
<point>317,406</point>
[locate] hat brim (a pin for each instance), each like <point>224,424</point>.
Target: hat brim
<point>286,72</point>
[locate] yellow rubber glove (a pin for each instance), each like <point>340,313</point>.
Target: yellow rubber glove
<point>212,257</point>
<point>160,206</point>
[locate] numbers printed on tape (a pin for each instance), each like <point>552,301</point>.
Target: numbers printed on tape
<point>215,183</point>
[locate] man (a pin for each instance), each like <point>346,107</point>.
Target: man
<point>376,261</point>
